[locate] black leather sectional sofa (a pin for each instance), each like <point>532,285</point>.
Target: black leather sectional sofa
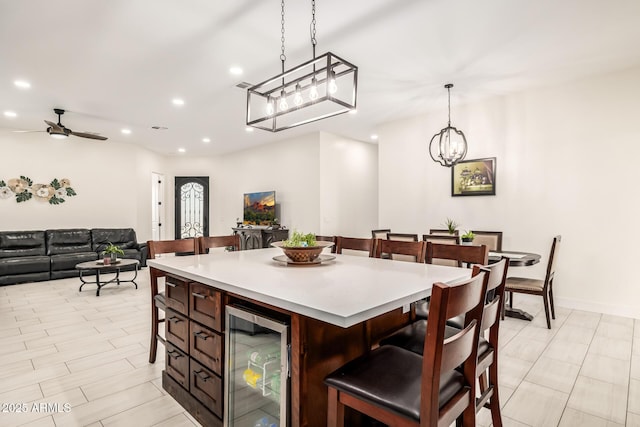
<point>30,256</point>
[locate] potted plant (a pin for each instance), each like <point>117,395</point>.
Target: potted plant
<point>111,253</point>
<point>275,224</point>
<point>468,237</point>
<point>451,225</point>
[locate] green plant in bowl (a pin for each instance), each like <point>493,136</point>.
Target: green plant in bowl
<point>468,236</point>
<point>300,240</point>
<point>302,248</point>
<point>112,250</point>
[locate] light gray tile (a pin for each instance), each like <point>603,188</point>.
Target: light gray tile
<point>149,413</point>
<point>633,420</point>
<point>634,396</point>
<point>604,400</point>
<point>120,382</point>
<point>88,376</point>
<point>614,331</point>
<point>535,405</point>
<point>618,320</point>
<point>612,347</point>
<point>178,421</point>
<point>524,348</point>
<point>553,374</point>
<point>573,418</point>
<point>577,334</point>
<point>566,351</point>
<point>539,334</point>
<point>606,369</point>
<point>583,319</point>
<point>635,367</point>
<point>512,371</point>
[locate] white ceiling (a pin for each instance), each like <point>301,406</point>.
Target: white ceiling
<point>119,63</point>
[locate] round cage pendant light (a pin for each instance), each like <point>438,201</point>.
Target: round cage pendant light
<point>449,146</point>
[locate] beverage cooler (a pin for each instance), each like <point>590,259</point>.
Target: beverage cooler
<point>256,369</point>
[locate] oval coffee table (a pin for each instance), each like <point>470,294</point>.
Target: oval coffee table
<point>99,267</point>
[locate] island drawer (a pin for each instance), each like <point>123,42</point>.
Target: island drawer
<point>206,387</point>
<point>206,347</point>
<point>177,291</point>
<point>205,306</point>
<point>177,365</point>
<point>177,330</point>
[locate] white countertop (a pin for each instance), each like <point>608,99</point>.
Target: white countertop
<point>343,292</point>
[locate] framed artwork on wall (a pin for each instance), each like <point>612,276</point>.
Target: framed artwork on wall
<point>475,177</point>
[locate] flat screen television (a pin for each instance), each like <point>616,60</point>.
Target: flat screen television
<point>259,208</point>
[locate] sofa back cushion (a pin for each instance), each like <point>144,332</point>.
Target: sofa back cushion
<point>68,241</point>
<point>124,238</point>
<point>21,243</point>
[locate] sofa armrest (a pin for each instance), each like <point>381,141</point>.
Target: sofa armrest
<point>144,253</point>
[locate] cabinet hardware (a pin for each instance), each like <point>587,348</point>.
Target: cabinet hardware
<point>203,376</point>
<point>175,354</point>
<point>175,319</point>
<point>201,335</point>
<point>173,285</point>
<point>197,295</point>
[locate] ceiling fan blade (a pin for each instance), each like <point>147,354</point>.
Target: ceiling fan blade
<point>89,135</point>
<point>27,131</point>
<point>56,127</point>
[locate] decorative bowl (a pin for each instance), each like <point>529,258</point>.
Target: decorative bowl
<point>303,253</point>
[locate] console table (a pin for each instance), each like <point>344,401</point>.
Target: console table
<point>259,238</point>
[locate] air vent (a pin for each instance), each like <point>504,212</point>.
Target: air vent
<point>159,127</point>
<point>244,85</point>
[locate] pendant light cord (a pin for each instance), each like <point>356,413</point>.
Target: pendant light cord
<point>314,41</point>
<point>449,96</point>
<point>283,57</point>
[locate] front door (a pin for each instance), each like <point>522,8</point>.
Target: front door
<point>191,206</point>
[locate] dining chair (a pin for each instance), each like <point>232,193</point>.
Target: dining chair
<point>442,231</point>
<point>404,237</point>
<point>400,250</point>
<point>328,239</point>
<point>157,247</point>
<point>412,337</point>
<point>492,239</point>
<point>469,254</point>
<point>355,245</point>
<point>544,287</point>
<point>401,388</point>
<point>380,233</point>
<point>209,242</point>
<point>448,239</point>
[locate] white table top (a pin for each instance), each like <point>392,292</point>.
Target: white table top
<point>343,292</point>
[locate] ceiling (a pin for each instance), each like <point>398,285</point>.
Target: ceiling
<point>119,63</point>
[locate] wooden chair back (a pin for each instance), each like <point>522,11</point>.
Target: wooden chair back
<point>442,231</point>
<point>396,249</point>
<point>497,273</point>
<point>380,233</point>
<point>492,239</point>
<point>553,257</point>
<point>441,356</point>
<point>208,242</point>
<point>403,237</point>
<point>356,244</point>
<point>467,254</point>
<point>445,239</point>
<point>328,239</point>
<point>157,247</point>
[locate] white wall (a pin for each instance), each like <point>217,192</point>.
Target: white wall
<point>112,182</point>
<point>348,186</point>
<point>566,164</point>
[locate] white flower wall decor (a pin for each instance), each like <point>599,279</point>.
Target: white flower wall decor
<point>24,189</point>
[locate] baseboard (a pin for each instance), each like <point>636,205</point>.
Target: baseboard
<point>614,310</point>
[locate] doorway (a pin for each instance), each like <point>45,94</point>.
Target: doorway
<point>191,206</point>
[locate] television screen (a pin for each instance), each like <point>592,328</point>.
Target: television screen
<point>259,208</point>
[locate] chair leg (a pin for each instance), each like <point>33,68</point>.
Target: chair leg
<point>153,348</point>
<point>335,410</point>
<point>546,309</point>
<point>553,311</point>
<point>494,402</point>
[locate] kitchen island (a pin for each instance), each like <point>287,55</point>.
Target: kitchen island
<point>335,310</point>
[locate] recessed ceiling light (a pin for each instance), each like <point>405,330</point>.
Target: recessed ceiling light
<point>126,131</point>
<point>374,137</point>
<point>182,150</point>
<point>236,71</point>
<point>207,140</point>
<point>353,112</point>
<point>10,114</point>
<point>178,101</point>
<point>249,129</point>
<point>22,84</point>
<point>159,127</point>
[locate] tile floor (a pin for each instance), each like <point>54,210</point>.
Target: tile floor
<point>62,347</point>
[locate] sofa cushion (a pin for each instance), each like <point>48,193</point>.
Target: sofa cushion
<point>21,243</point>
<point>24,278</point>
<point>24,265</point>
<point>68,241</point>
<point>69,261</point>
<point>124,238</point>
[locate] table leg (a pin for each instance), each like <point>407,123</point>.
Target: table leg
<point>516,313</point>
<point>98,282</point>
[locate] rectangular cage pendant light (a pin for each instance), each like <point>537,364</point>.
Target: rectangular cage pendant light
<point>322,87</point>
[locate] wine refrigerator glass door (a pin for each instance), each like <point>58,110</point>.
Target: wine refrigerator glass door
<point>256,370</point>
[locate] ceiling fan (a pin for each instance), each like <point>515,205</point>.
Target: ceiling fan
<point>58,130</point>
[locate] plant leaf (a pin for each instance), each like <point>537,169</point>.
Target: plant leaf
<point>2,184</point>
<point>23,197</point>
<point>26,179</point>
<point>55,184</point>
<point>70,192</point>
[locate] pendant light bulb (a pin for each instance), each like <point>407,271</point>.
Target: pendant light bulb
<point>297,99</point>
<point>313,92</point>
<point>270,107</point>
<point>333,87</point>
<point>284,106</point>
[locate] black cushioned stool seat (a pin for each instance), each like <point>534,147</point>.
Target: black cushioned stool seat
<point>391,377</point>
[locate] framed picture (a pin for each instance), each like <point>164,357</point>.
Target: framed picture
<point>474,177</point>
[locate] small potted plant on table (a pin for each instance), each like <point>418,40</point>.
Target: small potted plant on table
<point>110,254</point>
<point>451,225</point>
<point>467,237</point>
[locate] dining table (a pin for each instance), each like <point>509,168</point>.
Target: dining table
<point>336,310</point>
